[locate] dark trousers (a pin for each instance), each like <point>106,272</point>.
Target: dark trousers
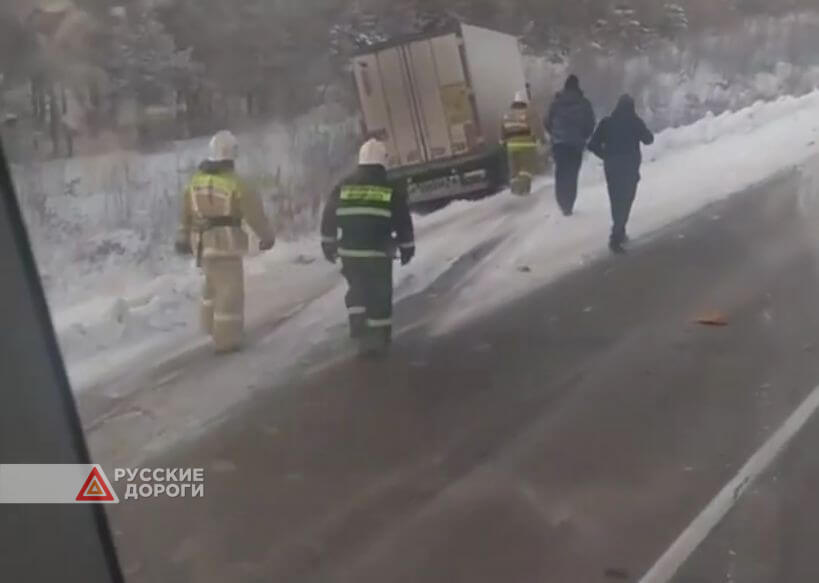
<point>568,160</point>
<point>622,179</point>
<point>369,300</point>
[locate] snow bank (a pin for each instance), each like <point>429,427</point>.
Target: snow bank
<point>113,217</point>
<point>125,326</point>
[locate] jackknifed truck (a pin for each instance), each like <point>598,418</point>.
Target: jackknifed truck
<point>438,101</point>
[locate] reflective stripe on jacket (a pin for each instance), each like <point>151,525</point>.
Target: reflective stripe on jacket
<point>215,204</point>
<point>371,215</point>
<point>517,124</point>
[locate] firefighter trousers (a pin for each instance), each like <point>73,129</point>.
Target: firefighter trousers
<point>522,156</point>
<point>223,301</point>
<point>369,300</point>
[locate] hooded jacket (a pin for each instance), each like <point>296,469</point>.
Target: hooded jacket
<point>570,119</point>
<point>618,137</point>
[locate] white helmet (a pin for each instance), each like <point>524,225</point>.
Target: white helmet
<point>521,97</point>
<point>373,153</point>
<point>223,146</point>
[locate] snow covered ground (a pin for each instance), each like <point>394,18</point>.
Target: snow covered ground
<point>141,321</point>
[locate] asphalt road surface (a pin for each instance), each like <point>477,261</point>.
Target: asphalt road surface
<point>569,437</point>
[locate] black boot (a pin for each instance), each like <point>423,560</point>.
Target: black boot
<point>617,247</point>
<point>375,344</point>
<point>357,326</point>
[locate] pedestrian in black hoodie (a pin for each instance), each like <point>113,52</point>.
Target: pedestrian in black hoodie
<point>570,123</point>
<point>617,142</point>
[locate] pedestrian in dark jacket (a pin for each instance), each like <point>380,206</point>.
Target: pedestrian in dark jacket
<point>617,142</point>
<point>570,122</point>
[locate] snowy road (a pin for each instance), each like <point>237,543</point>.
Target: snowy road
<point>569,436</point>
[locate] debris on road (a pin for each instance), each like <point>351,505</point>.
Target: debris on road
<point>304,260</point>
<point>483,347</point>
<point>713,318</point>
<point>620,574</point>
<point>270,430</point>
<point>525,269</point>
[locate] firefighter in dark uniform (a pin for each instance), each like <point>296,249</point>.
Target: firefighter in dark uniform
<point>373,219</point>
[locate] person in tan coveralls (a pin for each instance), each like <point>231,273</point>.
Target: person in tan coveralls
<point>214,206</point>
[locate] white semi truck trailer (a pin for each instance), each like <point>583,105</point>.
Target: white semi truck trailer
<point>438,102</point>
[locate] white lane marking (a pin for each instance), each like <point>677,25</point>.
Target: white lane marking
<point>679,552</point>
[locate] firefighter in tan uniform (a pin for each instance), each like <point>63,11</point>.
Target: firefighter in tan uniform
<point>520,136</point>
<point>215,204</point>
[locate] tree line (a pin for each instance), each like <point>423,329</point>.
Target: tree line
<point>72,68</point>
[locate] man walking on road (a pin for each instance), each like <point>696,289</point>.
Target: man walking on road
<point>214,206</point>
<point>369,212</point>
<point>617,142</point>
<point>570,122</point>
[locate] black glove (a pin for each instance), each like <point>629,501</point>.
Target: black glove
<point>267,244</point>
<point>407,253</point>
<point>330,251</point>
<point>183,247</point>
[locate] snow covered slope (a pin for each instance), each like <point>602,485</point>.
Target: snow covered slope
<point>531,245</point>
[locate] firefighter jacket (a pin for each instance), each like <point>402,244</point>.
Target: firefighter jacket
<point>371,214</point>
<point>215,204</point>
<point>519,126</point>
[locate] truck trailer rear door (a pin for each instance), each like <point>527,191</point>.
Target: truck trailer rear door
<point>418,96</point>
<point>445,102</point>
<point>385,94</point>
<point>456,94</point>
<point>426,93</point>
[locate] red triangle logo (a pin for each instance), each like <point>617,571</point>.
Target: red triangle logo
<point>95,489</point>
